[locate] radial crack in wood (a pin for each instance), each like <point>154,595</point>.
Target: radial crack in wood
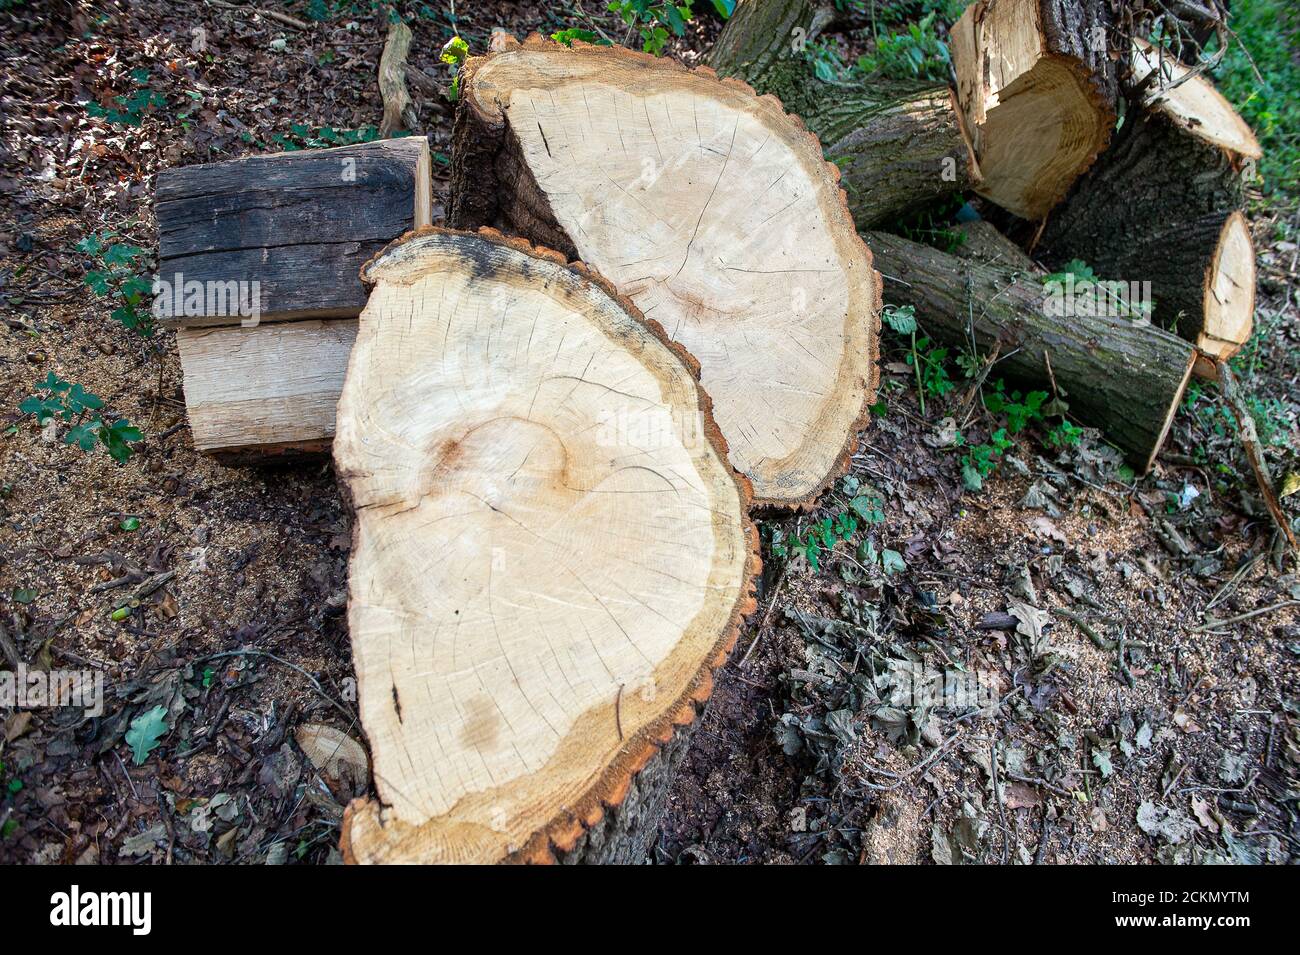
<point>898,144</point>
<point>713,211</point>
<point>551,555</point>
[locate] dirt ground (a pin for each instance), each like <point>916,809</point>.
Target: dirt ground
<point>218,593</point>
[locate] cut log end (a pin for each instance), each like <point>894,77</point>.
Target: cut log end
<point>709,207</point>
<point>1192,103</point>
<point>1229,292</point>
<point>551,553</point>
<point>1036,114</point>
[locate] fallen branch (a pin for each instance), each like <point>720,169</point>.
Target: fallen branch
<point>399,110</point>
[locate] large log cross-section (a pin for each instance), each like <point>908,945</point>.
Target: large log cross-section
<point>550,556</point>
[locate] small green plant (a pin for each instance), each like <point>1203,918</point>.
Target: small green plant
<point>454,52</point>
<point>129,109</point>
<point>916,52</point>
<point>982,459</point>
<point>1020,410</point>
<point>302,136</point>
<point>1064,435</point>
<point>56,398</point>
<point>118,276</point>
<point>819,539</point>
<point>1090,295</point>
<point>653,22</point>
<point>568,35</point>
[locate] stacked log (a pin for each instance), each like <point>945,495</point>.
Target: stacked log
<point>1166,204</point>
<point>259,262</point>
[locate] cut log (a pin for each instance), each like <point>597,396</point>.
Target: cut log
<point>713,211</point>
<point>981,240</point>
<point>1164,205</point>
<point>1120,376</point>
<point>264,392</point>
<point>298,224</point>
<point>550,556</point>
<point>1038,90</point>
<point>898,145</point>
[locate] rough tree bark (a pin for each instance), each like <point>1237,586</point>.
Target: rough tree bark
<point>1164,205</point>
<point>550,557</point>
<point>898,145</point>
<point>1038,89</point>
<point>1124,378</point>
<point>711,209</point>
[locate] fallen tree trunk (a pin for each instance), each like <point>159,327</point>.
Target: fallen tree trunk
<point>713,211</point>
<point>551,555</point>
<point>1164,205</point>
<point>266,392</point>
<point>282,236</point>
<point>1120,376</point>
<point>1039,91</point>
<point>898,145</point>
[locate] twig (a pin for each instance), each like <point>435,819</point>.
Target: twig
<point>758,635</point>
<point>269,14</point>
<point>1214,624</point>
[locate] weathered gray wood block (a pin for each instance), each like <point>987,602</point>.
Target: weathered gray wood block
<point>284,236</point>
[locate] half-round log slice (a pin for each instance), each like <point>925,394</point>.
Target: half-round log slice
<point>551,554</point>
<point>1229,295</point>
<point>711,209</point>
<point>1038,94</point>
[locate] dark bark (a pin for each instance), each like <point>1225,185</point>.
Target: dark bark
<point>1119,376</point>
<point>1152,209</point>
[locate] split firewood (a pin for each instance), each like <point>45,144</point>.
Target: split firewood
<point>711,209</point>
<point>265,392</point>
<point>1038,90</point>
<point>283,236</point>
<point>1119,375</point>
<point>551,555</point>
<point>1164,205</point>
<point>399,110</point>
<point>898,145</point>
